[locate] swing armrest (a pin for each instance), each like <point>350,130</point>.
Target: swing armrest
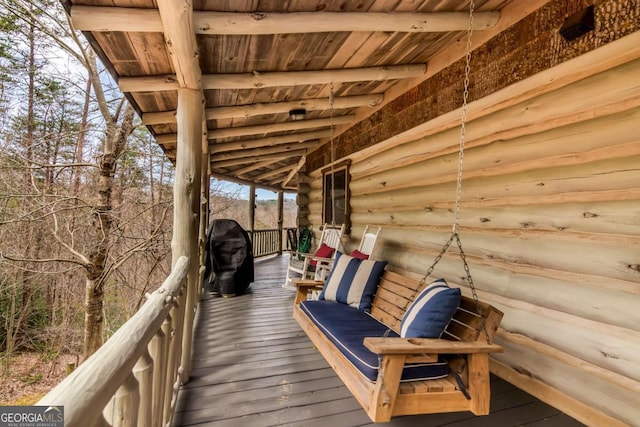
<point>303,286</point>
<point>307,283</point>
<point>393,345</point>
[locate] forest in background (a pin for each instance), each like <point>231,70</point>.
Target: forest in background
<point>85,197</point>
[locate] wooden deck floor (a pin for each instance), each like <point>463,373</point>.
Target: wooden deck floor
<point>253,366</point>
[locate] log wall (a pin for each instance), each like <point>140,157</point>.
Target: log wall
<point>550,223</point>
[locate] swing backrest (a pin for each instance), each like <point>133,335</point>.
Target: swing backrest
<point>396,292</point>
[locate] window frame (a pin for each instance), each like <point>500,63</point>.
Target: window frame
<point>332,171</point>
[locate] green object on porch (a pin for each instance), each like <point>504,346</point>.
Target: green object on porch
<point>304,241</point>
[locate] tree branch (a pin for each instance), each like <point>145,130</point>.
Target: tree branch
<point>84,260</point>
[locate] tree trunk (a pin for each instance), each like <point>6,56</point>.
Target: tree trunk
<point>102,223</point>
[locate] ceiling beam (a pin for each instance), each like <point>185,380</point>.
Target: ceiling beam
<point>268,142</point>
<point>256,159</point>
<point>255,166</point>
<point>274,172</point>
<point>170,139</point>
<point>278,149</point>
<point>100,19</point>
<point>177,23</point>
<point>258,80</point>
<point>259,109</point>
<point>278,127</point>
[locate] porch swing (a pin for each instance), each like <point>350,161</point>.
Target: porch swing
<point>382,368</point>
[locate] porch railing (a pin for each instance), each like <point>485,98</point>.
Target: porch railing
<point>133,379</point>
<point>267,241</point>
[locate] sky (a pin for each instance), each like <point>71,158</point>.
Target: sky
<point>243,191</point>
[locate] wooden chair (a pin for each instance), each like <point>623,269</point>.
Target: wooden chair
<point>367,245</point>
<point>301,265</point>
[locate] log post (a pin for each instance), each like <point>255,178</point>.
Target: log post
<point>204,207</point>
<point>280,220</point>
<point>252,209</point>
<point>187,207</point>
<point>302,200</point>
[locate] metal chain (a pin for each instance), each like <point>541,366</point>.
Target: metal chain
<point>333,175</point>
<point>456,219</point>
<point>463,119</point>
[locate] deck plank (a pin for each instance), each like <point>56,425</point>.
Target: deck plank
<point>253,366</point>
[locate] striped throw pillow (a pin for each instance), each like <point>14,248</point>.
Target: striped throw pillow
<point>431,311</point>
<point>353,281</point>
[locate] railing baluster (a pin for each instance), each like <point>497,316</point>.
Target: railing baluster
<point>143,371</point>
<point>169,372</point>
<point>266,241</point>
<point>122,410</point>
<point>159,346</point>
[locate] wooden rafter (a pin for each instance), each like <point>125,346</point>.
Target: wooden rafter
<point>295,170</point>
<point>170,139</point>
<point>258,109</point>
<point>284,148</point>
<point>273,172</point>
<point>259,165</point>
<point>256,159</point>
<point>278,127</point>
<point>258,80</point>
<point>269,141</point>
<point>96,18</point>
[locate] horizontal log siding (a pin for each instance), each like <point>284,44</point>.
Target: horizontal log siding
<point>550,225</point>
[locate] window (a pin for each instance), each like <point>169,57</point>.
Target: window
<point>335,195</point>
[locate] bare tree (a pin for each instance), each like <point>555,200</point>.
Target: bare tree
<point>100,250</point>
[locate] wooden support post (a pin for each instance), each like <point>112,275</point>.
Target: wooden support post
<point>205,180</point>
<point>187,207</point>
<point>252,209</point>
<point>280,220</point>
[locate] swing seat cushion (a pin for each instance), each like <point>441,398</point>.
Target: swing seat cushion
<point>353,281</point>
<point>346,327</point>
<point>431,311</point>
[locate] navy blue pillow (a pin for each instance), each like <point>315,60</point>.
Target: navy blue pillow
<point>431,311</point>
<point>353,281</point>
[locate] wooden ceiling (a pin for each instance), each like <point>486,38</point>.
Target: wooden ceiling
<point>259,59</point>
